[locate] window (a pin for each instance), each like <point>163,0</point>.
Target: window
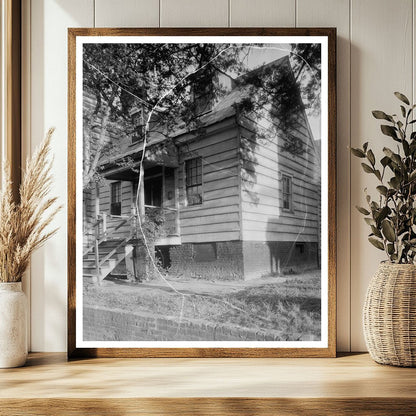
<point>193,172</point>
<point>115,207</point>
<point>287,192</point>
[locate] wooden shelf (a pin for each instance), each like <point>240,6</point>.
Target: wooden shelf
<point>350,384</point>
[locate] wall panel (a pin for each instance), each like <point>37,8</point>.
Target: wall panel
<point>127,13</point>
<point>262,13</point>
<point>193,13</point>
<point>381,63</point>
<point>379,60</point>
<point>26,142</point>
<point>335,13</point>
<point>48,105</point>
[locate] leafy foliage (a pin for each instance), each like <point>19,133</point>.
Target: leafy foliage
<point>392,217</point>
<point>165,79</point>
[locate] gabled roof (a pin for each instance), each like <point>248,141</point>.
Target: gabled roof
<point>223,109</point>
<point>226,106</point>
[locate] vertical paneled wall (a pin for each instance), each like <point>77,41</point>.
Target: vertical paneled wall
<point>376,56</point>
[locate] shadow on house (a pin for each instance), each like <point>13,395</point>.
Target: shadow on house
<point>291,256</point>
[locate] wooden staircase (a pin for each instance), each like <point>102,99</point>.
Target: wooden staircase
<point>110,254</point>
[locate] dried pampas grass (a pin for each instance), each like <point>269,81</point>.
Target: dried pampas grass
<point>23,225</point>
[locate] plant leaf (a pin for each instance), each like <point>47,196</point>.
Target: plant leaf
<point>376,231</point>
<point>406,147</point>
<point>381,115</point>
<point>402,97</point>
<point>412,176</point>
<point>388,230</point>
<point>390,248</point>
<point>393,156</point>
<point>394,182</point>
<point>389,131</point>
<point>371,158</point>
<point>357,152</point>
<point>367,168</point>
<point>382,189</point>
<point>385,161</point>
<point>376,243</point>
<point>362,210</point>
<point>369,221</point>
<point>382,214</point>
<point>374,205</point>
<point>403,111</point>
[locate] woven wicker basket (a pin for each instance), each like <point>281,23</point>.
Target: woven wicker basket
<point>390,315</point>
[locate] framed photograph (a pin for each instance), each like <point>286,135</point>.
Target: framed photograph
<point>201,193</point>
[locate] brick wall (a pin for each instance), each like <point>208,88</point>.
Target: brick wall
<point>239,260</point>
<point>117,325</point>
<point>227,266</point>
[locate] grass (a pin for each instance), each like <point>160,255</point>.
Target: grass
<point>289,305</point>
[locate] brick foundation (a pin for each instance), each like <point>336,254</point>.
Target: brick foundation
<point>228,264</point>
<point>244,260</point>
<point>103,324</point>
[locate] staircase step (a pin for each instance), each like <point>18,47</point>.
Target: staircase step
<point>104,249</point>
<point>110,243</point>
<point>88,262</point>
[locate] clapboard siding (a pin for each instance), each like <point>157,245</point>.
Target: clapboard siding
<point>230,203</point>
<point>259,202</point>
<point>269,230</point>
<point>308,219</point>
<point>298,128</point>
<point>270,185</point>
<point>307,158</point>
<point>210,212</point>
<point>212,219</point>
<point>268,175</point>
<point>262,235</point>
<point>218,217</point>
<point>211,237</point>
<point>267,210</point>
<point>263,161</point>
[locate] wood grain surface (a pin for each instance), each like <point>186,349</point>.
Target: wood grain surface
<point>347,385</point>
<point>330,351</point>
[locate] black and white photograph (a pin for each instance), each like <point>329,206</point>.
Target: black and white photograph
<point>202,191</point>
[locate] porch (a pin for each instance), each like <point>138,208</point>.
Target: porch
<point>131,208</point>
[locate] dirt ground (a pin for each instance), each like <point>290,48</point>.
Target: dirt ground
<point>205,287</point>
<point>289,303</point>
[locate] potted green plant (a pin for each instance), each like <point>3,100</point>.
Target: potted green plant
<point>23,229</point>
<point>389,316</point>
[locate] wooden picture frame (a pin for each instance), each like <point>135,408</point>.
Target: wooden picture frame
<point>77,346</point>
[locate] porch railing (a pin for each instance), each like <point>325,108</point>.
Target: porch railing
<point>125,228</point>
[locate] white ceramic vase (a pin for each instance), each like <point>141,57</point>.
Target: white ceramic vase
<point>13,325</point>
